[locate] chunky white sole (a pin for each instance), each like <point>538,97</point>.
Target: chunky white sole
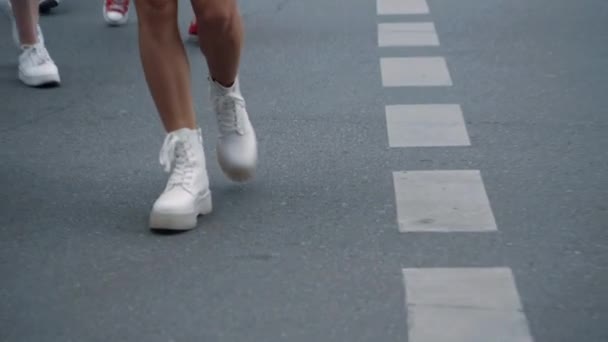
<point>40,80</point>
<point>239,174</point>
<point>181,221</point>
<point>236,174</point>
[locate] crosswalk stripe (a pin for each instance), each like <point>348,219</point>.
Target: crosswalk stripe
<point>426,125</point>
<point>442,201</point>
<point>414,71</point>
<point>464,305</point>
<point>396,7</point>
<point>443,304</point>
<point>407,34</point>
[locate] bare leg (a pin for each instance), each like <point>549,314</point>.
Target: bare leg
<point>220,31</point>
<point>165,63</point>
<point>26,17</point>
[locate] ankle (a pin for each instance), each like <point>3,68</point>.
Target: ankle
<point>25,46</point>
<point>179,126</point>
<point>224,83</point>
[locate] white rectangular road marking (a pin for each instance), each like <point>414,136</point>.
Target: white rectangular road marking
<point>396,7</point>
<point>442,201</point>
<point>426,125</point>
<point>464,305</point>
<point>414,71</point>
<point>407,34</point>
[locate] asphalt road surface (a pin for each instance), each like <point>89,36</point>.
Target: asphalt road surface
<point>437,182</point>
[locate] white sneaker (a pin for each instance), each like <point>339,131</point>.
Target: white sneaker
<point>187,192</point>
<point>116,12</point>
<point>36,68</point>
<point>46,5</point>
<point>237,150</point>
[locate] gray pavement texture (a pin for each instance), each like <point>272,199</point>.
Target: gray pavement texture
<point>310,250</point>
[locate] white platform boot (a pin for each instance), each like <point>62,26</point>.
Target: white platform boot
<point>187,194</point>
<point>237,149</point>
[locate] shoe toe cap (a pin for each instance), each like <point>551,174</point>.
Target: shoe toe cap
<point>115,17</point>
<point>174,202</point>
<point>240,153</point>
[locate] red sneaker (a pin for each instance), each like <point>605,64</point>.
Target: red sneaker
<point>193,30</point>
<point>116,12</point>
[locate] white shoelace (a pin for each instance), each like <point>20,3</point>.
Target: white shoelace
<point>228,114</point>
<point>175,154</point>
<point>37,54</point>
<point>117,5</point>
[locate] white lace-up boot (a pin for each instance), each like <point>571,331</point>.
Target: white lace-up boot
<point>237,146</point>
<point>187,194</point>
